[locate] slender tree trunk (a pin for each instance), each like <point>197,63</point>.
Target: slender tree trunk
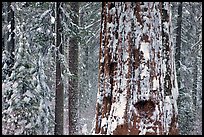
<point>73,68</point>
<point>195,82</point>
<point>178,54</point>
<point>137,80</point>
<point>195,69</point>
<point>170,80</point>
<point>178,44</point>
<point>10,45</point>
<point>59,97</point>
<point>3,27</point>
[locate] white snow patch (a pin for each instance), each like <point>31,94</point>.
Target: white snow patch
<point>53,34</point>
<point>52,20</point>
<point>115,44</point>
<point>44,14</point>
<point>155,84</point>
<point>175,92</point>
<point>84,129</point>
<point>157,130</point>
<point>48,31</point>
<point>103,122</point>
<point>9,39</point>
<point>102,60</point>
<point>120,106</point>
<point>145,49</point>
<point>8,26</point>
<point>21,68</point>
<point>39,29</point>
<point>112,126</point>
<point>187,12</point>
<point>150,130</point>
<point>167,113</point>
<point>123,84</point>
<point>118,111</point>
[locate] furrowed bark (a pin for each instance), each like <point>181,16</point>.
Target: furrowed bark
<point>135,90</point>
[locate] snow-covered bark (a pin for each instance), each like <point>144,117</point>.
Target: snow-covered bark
<point>137,90</point>
<point>8,38</point>
<point>170,79</point>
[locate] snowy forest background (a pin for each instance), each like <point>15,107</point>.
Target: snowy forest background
<point>29,65</point>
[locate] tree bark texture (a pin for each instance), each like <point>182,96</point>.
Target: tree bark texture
<point>59,95</point>
<point>10,41</point>
<point>73,68</point>
<point>178,44</point>
<point>137,90</point>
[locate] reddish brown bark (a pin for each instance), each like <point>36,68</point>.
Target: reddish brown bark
<point>135,90</point>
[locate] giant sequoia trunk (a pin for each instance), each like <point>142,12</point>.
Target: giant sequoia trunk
<point>59,97</point>
<point>73,68</point>
<point>137,90</point>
